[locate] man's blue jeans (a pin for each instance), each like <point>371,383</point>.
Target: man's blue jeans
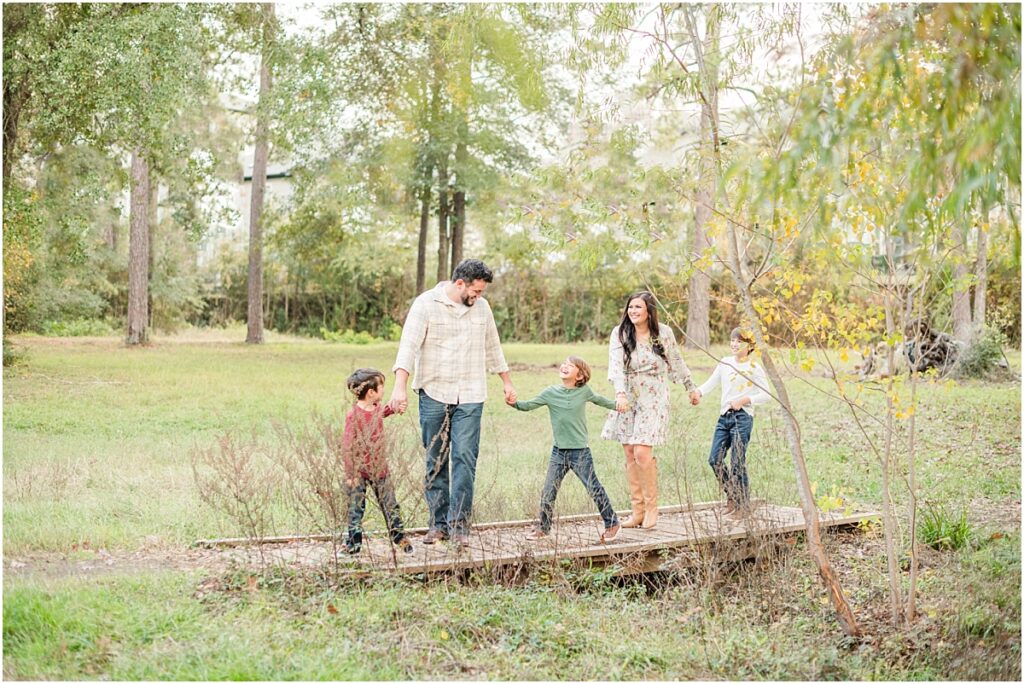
<point>581,462</point>
<point>733,431</point>
<point>451,436</point>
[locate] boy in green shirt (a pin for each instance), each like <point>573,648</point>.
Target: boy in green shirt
<point>567,406</point>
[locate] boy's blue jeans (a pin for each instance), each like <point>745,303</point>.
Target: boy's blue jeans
<point>733,431</point>
<point>581,462</point>
<point>451,436</point>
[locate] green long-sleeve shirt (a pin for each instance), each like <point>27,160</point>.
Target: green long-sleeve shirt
<point>567,407</point>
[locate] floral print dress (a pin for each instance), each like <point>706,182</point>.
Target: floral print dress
<point>645,383</point>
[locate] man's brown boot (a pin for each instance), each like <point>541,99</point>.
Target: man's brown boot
<point>649,479</point>
<point>636,496</point>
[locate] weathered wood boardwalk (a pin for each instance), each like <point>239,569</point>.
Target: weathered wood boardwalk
<point>683,535</point>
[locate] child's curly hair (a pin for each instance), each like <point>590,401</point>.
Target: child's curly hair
<point>583,367</point>
<point>364,380</point>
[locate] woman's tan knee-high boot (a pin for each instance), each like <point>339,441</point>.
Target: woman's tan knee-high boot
<point>649,481</point>
<point>636,495</point>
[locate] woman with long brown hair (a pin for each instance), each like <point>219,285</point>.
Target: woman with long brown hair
<point>642,358</point>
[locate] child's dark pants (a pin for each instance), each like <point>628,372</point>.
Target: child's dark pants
<point>385,492</point>
<point>733,430</point>
<point>581,462</point>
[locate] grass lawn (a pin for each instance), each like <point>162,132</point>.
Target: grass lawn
<point>97,455</point>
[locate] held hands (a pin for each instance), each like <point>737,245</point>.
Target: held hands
<point>621,405</point>
<point>399,401</point>
<point>510,394</point>
<point>695,397</point>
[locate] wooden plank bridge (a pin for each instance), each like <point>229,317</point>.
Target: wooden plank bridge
<point>685,534</point>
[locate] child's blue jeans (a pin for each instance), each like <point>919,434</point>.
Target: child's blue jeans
<point>581,462</point>
<point>733,431</point>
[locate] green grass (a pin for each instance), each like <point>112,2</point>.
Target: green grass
<point>942,529</point>
<point>153,627</point>
<point>97,441</point>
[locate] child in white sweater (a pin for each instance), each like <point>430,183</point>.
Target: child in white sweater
<point>743,385</point>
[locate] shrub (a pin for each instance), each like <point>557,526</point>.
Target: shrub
<point>77,327</point>
<point>391,331</point>
<point>12,355</point>
<point>348,336</point>
<point>980,358</point>
<point>979,622</point>
<point>943,530</point>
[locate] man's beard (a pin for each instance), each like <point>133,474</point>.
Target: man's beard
<point>465,300</point>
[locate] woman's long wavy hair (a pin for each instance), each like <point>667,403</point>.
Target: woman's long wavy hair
<point>627,331</point>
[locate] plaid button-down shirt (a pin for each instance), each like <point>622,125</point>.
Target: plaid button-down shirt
<point>449,348</point>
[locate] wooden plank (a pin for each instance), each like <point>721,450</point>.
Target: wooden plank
<point>502,545</point>
<point>502,524</point>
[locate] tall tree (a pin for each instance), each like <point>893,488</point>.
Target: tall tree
<point>254,320</point>
<point>126,101</point>
<point>961,310</point>
<point>981,274</point>
<point>686,65</point>
<point>139,250</point>
<point>469,85</point>
<point>706,51</point>
<point>881,144</point>
<point>32,32</point>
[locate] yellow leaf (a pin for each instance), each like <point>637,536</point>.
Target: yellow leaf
<point>444,635</point>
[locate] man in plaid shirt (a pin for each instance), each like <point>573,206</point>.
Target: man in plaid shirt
<point>449,344</point>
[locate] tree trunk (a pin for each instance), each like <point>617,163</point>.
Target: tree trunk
<point>981,275</point>
<point>458,226</point>
<point>961,292</point>
<point>911,608</point>
<point>459,205</point>
<point>254,318</point>
<point>461,162</point>
<point>893,547</point>
<point>138,250</point>
<point>698,330</point>
<point>442,221</point>
<point>14,100</point>
<point>421,245</point>
<point>810,511</point>
<point>153,219</point>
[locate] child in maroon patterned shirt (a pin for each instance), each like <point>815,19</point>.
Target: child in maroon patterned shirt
<point>365,462</point>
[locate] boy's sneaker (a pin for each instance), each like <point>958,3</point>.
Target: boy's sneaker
<point>405,545</point>
<point>353,549</point>
<point>536,534</point>
<point>610,533</point>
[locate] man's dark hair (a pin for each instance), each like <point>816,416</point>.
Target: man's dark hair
<point>364,380</point>
<point>472,269</point>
